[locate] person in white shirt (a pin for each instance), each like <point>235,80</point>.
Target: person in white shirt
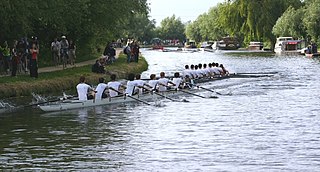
<point>83,89</point>
<point>100,89</point>
<point>177,80</point>
<point>140,84</point>
<point>131,84</point>
<point>193,72</point>
<point>215,70</point>
<point>186,71</point>
<point>153,83</point>
<point>197,71</point>
<point>113,85</point>
<point>205,70</point>
<point>219,71</point>
<point>163,82</point>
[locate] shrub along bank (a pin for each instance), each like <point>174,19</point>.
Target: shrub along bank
<point>58,81</point>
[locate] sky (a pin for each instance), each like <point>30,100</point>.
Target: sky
<point>187,10</point>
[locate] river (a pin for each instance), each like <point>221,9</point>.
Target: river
<point>258,124</point>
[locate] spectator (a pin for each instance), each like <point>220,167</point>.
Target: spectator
<point>34,50</point>
<point>64,51</point>
<point>72,52</point>
<point>55,50</point>
<point>135,52</point>
<point>98,67</point>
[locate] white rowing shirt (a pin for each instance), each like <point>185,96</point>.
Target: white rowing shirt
<point>99,90</point>
<point>140,83</point>
<point>187,72</point>
<point>130,87</point>
<point>177,82</point>
<point>153,83</point>
<point>163,82</point>
<point>82,89</point>
<point>114,85</point>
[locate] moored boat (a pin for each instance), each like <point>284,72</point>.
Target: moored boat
<point>255,46</point>
<point>287,45</point>
<point>226,43</point>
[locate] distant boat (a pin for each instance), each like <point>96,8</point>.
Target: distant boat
<point>287,45</point>
<point>226,43</point>
<point>255,46</point>
<point>190,44</point>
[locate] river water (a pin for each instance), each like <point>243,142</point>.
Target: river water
<point>258,124</point>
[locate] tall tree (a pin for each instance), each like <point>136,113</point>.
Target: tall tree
<point>312,19</point>
<point>256,18</point>
<point>172,28</point>
<point>290,24</point>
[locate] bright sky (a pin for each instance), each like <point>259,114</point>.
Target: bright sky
<point>187,10</point>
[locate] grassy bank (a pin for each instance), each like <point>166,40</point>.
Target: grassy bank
<point>66,79</point>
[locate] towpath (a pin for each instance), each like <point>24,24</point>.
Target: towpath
<point>60,67</point>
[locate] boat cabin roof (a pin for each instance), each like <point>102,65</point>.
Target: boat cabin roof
<point>284,38</point>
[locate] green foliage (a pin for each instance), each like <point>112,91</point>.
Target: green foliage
<point>248,20</point>
<point>290,24</point>
<point>312,19</point>
<point>88,22</point>
<point>207,26</point>
<point>171,28</point>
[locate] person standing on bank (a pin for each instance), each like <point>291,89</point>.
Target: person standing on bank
<point>127,51</point>
<point>34,51</point>
<point>72,52</point>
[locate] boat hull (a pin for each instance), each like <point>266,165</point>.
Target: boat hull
<point>76,104</point>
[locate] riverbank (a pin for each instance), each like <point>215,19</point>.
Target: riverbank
<point>50,82</point>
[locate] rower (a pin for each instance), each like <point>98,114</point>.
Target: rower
<point>219,69</point>
<point>205,70</point>
<point>197,71</point>
<point>186,71</point>
<point>163,82</point>
<point>177,80</point>
<point>140,84</point>
<point>193,72</point>
<point>100,89</point>
<point>83,89</point>
<point>225,71</point>
<point>131,84</point>
<point>152,84</point>
<point>215,70</point>
<point>114,86</point>
<point>188,82</point>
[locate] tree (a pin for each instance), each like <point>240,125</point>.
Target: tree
<point>255,19</point>
<point>290,24</point>
<point>312,18</point>
<point>172,28</point>
<point>88,22</point>
<point>141,28</point>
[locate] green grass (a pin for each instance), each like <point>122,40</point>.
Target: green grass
<point>65,79</point>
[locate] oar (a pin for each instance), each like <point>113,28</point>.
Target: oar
<point>185,91</point>
<point>131,97</point>
<point>162,95</point>
<point>166,97</point>
<point>192,93</point>
<point>49,101</point>
<point>206,89</point>
<point>258,73</point>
